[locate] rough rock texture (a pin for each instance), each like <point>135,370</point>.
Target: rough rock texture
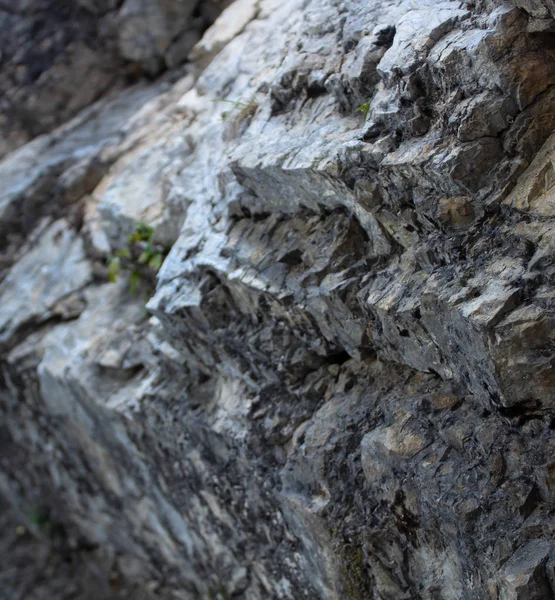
<point>342,386</point>
<point>59,56</point>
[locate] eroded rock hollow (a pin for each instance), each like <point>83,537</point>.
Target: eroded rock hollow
<point>327,371</point>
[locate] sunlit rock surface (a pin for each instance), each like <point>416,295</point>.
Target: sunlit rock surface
<point>342,385</point>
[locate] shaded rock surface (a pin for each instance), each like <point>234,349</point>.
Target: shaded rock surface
<point>59,56</point>
<point>342,386</point>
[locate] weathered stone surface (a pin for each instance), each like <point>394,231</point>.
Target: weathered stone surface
<point>59,56</point>
<point>205,543</point>
<point>538,8</point>
<point>534,192</point>
<point>53,174</point>
<point>525,575</point>
<point>46,46</point>
<point>146,29</point>
<point>233,21</point>
<point>45,283</point>
<point>346,386</point>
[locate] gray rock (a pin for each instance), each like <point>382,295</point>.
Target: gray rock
<point>346,386</point>
<point>45,283</point>
<point>147,28</point>
<point>524,574</point>
<point>538,8</point>
<point>52,174</point>
<point>60,57</point>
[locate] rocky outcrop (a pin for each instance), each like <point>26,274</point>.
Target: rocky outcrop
<point>59,56</point>
<point>342,386</point>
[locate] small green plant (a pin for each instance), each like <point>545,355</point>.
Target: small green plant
<point>142,257</point>
<point>364,109</point>
<point>40,516</point>
<point>241,110</point>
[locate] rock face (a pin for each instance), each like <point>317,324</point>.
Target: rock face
<point>59,56</point>
<point>343,384</point>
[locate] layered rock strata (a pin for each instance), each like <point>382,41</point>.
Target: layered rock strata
<point>342,386</point>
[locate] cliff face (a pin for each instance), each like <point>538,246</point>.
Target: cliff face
<point>59,56</point>
<point>343,384</point>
